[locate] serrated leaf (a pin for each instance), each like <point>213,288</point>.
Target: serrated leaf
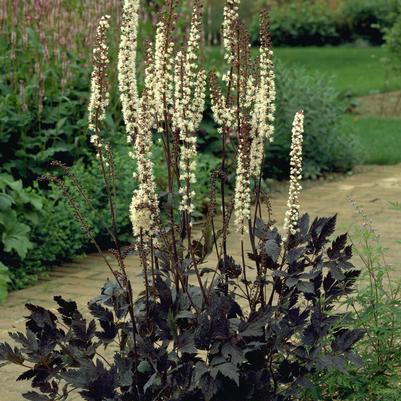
<point>199,370</point>
<point>261,229</point>
<point>292,281</point>
<point>10,355</point>
<point>34,396</point>
<point>208,387</point>
<point>233,354</point>
<point>337,273</point>
<point>345,339</point>
<point>29,374</point>
<point>294,254</point>
<point>227,370</point>
<point>303,224</point>
<point>66,309</point>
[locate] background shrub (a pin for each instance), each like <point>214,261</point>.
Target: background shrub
<point>305,23</point>
<point>33,134</point>
<point>366,19</point>
<point>300,24</point>
<point>328,147</point>
<point>393,40</point>
<point>59,227</point>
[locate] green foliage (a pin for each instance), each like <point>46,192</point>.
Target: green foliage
<point>60,226</point>
<point>393,39</point>
<point>375,308</point>
<point>30,137</point>
<point>304,23</point>
<point>366,19</point>
<point>4,281</point>
<point>18,206</point>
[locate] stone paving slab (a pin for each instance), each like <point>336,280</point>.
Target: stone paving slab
<point>81,279</point>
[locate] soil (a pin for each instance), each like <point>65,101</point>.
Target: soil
<point>386,104</point>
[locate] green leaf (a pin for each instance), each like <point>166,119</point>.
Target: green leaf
<point>5,180</point>
<point>15,238</point>
<point>32,215</point>
<point>5,201</point>
<point>35,200</point>
<point>4,280</point>
<point>16,186</point>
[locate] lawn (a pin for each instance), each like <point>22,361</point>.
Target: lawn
<point>356,70</point>
<point>380,138</point>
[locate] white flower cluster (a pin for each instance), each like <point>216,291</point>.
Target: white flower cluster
<point>263,111</point>
<point>292,214</point>
<point>144,209</point>
<point>223,114</point>
<point>230,16</point>
<point>139,119</point>
<point>127,66</point>
<point>189,102</point>
<point>163,70</point>
<point>242,197</point>
<point>249,107</point>
<point>169,93</point>
<point>99,99</point>
<point>140,213</point>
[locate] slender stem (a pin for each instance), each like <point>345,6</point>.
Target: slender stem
<point>244,275</point>
<point>222,189</point>
<point>145,272</point>
<point>256,256</point>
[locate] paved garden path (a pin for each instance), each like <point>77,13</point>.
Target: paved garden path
<point>372,188</point>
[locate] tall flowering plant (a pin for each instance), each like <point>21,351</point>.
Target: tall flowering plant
<point>206,326</point>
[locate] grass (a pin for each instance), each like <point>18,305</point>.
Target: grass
<point>380,138</point>
<point>356,70</point>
